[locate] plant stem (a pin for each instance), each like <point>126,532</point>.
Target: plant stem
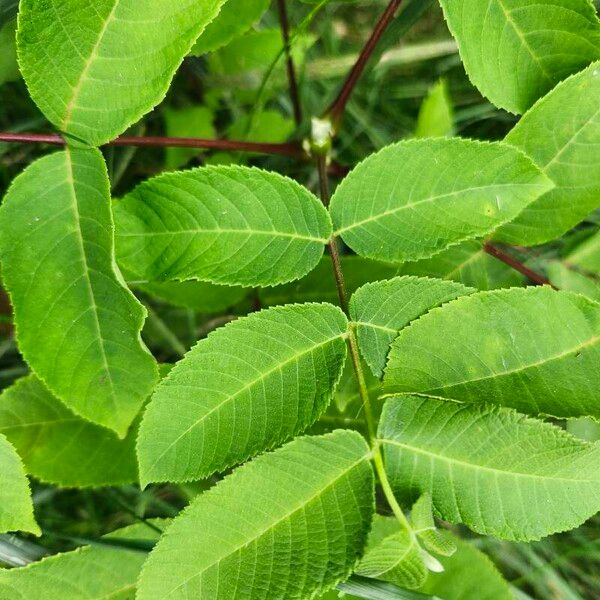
<point>336,109</point>
<point>291,70</point>
<point>289,149</point>
<point>513,263</point>
<point>356,364</point>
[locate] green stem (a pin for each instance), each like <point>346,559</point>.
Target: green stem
<point>356,363</point>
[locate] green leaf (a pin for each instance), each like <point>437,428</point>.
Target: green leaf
<point>236,17</point>
<point>566,278</point>
<point>586,256</point>
<point>561,133</point>
<point>8,10</point>
<point>319,285</point>
<point>16,508</point>
<point>396,559</point>
<point>289,524</point>
<point>94,72</point>
<point>192,121</point>
<point>77,324</point>
<point>436,115</point>
<point>381,309</point>
<point>498,472</point>
<point>386,209</point>
<point>196,295</point>
<point>57,446</point>
<point>509,347</point>
<point>467,574</point>
<point>98,572</point>
<point>249,386</point>
<point>469,264</point>
<point>515,51</point>
<point>9,69</point>
<point>421,517</point>
<point>232,225</point>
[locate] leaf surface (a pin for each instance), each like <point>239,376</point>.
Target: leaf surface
<point>561,133</point>
<point>94,70</point>
<point>386,209</point>
<point>77,324</point>
<point>59,447</point>
<point>515,51</point>
<point>247,387</point>
<point>533,349</point>
<point>289,524</point>
<point>232,225</point>
<point>16,508</point>
<point>235,18</point>
<point>498,472</point>
<point>95,572</point>
<point>381,309</point>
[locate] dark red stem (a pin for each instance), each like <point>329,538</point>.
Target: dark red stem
<point>513,263</point>
<point>291,69</point>
<point>336,109</point>
<point>290,149</point>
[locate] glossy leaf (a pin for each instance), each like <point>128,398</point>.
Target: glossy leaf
<point>289,524</point>
<point>77,324</point>
<point>98,572</point>
<point>232,225</point>
<point>235,17</point>
<point>93,73</point>
<point>249,386</point>
<point>57,446</point>
<point>498,472</point>
<point>533,349</point>
<point>517,50</point>
<point>381,309</point>
<point>16,508</point>
<point>386,209</point>
<point>561,133</point>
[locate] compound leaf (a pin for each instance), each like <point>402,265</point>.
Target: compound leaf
<point>98,572</point>
<point>78,326</point>
<point>249,386</point>
<point>533,349</point>
<point>386,209</point>
<point>381,309</point>
<point>232,225</point>
<point>59,447</point>
<point>236,17</point>
<point>94,70</point>
<point>517,50</point>
<point>16,508</point>
<point>289,524</point>
<point>561,133</point>
<point>498,472</point>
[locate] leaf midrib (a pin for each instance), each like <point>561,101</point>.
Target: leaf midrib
<point>591,342</point>
<point>76,90</point>
<point>230,398</point>
<point>429,200</point>
<point>282,234</point>
<point>479,467</point>
<point>278,521</point>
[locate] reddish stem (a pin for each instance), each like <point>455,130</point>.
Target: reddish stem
<point>291,69</point>
<point>289,149</point>
<point>513,263</point>
<point>337,107</point>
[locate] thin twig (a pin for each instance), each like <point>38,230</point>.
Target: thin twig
<point>337,107</point>
<point>288,149</point>
<point>291,69</point>
<point>513,263</point>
